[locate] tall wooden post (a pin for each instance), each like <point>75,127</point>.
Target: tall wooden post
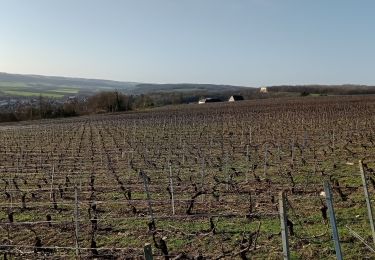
<point>332,218</point>
<point>368,201</point>
<point>76,216</point>
<point>147,250</point>
<point>284,225</point>
<point>247,153</point>
<point>52,175</point>
<point>171,187</point>
<point>202,177</point>
<point>145,183</point>
<point>226,171</point>
<point>265,160</point>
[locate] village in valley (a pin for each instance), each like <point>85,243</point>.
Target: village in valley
<point>187,130</point>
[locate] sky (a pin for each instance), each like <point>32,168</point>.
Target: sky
<point>238,42</point>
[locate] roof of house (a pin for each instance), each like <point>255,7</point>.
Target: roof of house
<point>237,97</point>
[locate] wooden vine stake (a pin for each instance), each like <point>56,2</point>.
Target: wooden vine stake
<point>226,171</point>
<point>202,177</point>
<point>171,187</point>
<point>284,225</point>
<point>332,218</point>
<point>52,175</point>
<point>145,183</point>
<point>76,216</point>
<point>183,153</point>
<point>247,153</point>
<point>265,160</point>
<point>368,201</point>
<point>247,162</point>
<point>147,250</point>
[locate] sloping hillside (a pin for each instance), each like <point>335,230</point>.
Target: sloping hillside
<point>35,85</point>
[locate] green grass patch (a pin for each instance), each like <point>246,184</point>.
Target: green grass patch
<point>30,94</point>
<point>65,90</point>
<point>7,85</point>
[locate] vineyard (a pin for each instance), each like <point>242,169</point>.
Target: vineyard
<point>194,181</point>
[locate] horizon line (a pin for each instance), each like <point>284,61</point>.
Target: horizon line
<point>176,83</point>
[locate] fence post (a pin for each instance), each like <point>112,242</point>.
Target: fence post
<point>202,177</point>
<point>292,153</point>
<point>226,171</point>
<point>265,160</point>
<point>171,187</point>
<point>332,218</point>
<point>284,225</point>
<point>145,183</point>
<point>52,175</point>
<point>368,202</point>
<point>183,153</point>
<point>147,250</point>
<point>76,216</point>
<point>247,162</point>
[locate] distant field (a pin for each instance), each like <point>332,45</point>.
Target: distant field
<point>29,94</point>
<point>66,90</point>
<point>21,89</point>
<point>10,85</point>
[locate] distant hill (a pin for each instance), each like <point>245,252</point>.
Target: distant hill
<point>58,87</point>
<point>30,85</point>
<point>186,87</point>
<point>18,85</point>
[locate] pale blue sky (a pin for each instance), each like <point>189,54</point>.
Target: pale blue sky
<point>242,42</point>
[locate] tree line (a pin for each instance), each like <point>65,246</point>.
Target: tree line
<point>115,101</point>
<point>347,89</point>
<point>103,102</point>
<point>107,102</point>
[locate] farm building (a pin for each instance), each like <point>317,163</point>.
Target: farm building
<point>263,90</point>
<point>235,98</point>
<point>208,100</point>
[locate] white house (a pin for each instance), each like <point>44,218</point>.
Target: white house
<point>235,98</point>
